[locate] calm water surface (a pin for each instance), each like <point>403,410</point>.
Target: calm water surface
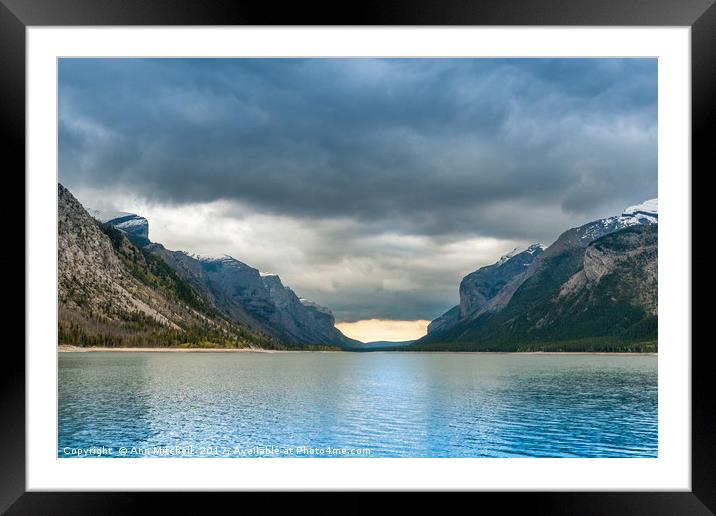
<point>357,404</point>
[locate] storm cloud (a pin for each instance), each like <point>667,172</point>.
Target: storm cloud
<point>369,185</point>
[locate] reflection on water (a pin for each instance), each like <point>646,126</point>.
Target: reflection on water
<point>392,404</point>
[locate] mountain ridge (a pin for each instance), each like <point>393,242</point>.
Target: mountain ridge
<point>614,257</point>
<point>593,289</point>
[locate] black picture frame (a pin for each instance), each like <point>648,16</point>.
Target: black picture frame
<point>16,15</point>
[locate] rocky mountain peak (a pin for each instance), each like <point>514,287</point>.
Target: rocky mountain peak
<point>134,226</point>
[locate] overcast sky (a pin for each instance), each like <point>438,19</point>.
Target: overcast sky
<point>370,186</point>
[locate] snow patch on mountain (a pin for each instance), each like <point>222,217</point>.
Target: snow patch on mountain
<point>644,213</point>
<point>517,250</point>
<point>506,257</point>
<point>310,304</point>
<point>535,247</point>
<point>131,223</point>
<point>210,257</point>
<point>134,226</point>
<point>650,207</point>
<point>106,215</point>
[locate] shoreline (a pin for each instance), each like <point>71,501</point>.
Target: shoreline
<point>617,353</point>
<point>65,348</point>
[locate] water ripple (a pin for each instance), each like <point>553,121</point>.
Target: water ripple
<point>393,404</point>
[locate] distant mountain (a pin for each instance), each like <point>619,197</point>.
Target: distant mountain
<point>239,292</point>
<point>381,344</point>
<point>111,293</point>
<point>594,289</point>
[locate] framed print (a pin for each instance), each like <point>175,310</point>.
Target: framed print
<point>416,250</point>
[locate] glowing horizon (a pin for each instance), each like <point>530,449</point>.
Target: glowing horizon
<point>372,330</point>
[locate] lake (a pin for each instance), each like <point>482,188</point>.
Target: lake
<point>380,404</point>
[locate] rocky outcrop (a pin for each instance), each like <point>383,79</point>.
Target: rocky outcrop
<point>630,255</point>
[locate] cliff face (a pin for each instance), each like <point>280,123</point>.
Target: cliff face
<point>479,290</point>
<point>112,293</point>
<point>445,321</point>
<point>261,301</point>
<point>322,321</point>
<point>204,282</point>
<point>91,277</point>
<point>629,255</point>
<point>302,319</point>
<point>235,284</point>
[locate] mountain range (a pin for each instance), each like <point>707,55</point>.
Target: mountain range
<point>593,289</point>
<point>116,287</point>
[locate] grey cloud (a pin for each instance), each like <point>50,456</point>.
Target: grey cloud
<point>450,149</point>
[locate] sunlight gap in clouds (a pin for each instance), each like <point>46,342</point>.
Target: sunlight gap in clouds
<point>372,330</point>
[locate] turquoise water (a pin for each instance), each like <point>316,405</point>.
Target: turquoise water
<point>144,404</point>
